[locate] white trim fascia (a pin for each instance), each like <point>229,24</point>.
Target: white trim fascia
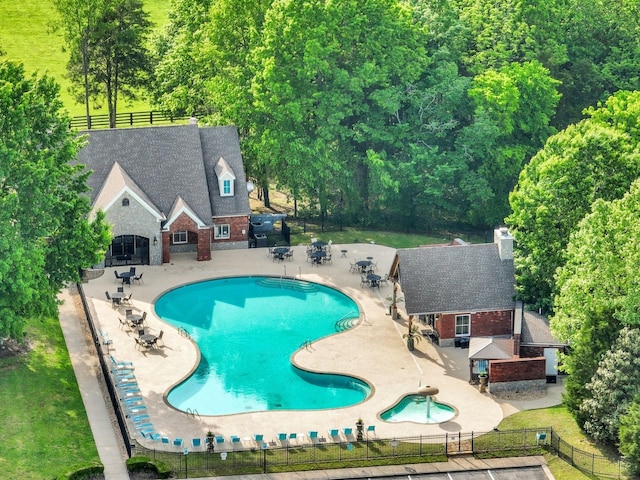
<point>144,204</point>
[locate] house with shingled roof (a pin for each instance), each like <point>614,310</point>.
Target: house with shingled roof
<point>464,296</point>
<point>168,189</point>
<point>460,290</point>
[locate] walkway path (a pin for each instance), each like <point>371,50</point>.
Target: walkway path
<point>85,366</point>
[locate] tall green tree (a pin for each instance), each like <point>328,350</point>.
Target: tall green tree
<point>597,158</point>
<point>45,233</point>
<point>513,109</point>
<point>613,387</point>
<point>330,79</point>
<point>78,19</point>
<point>630,437</point>
<point>184,60</point>
<point>598,293</point>
<point>107,41</point>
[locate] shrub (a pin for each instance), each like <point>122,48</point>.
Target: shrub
<point>135,464</point>
<point>81,471</point>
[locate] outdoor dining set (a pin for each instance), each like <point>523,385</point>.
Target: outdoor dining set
<point>367,270</point>
<point>319,252</point>
<point>127,278</point>
<point>281,253</point>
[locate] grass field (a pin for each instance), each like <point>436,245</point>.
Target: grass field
<point>44,425</point>
<point>27,36</point>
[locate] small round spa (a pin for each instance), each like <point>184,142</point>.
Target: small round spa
<point>418,409</point>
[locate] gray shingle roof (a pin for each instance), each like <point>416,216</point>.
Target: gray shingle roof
<point>535,330</point>
<point>168,162</point>
<point>448,279</point>
<point>223,142</point>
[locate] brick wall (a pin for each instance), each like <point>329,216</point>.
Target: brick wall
<point>237,225</point>
<point>483,324</point>
<point>487,324</point>
<point>528,352</point>
<point>517,369</point>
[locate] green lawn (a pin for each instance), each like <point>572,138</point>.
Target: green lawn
<point>44,424</point>
<point>566,427</point>
<point>26,36</point>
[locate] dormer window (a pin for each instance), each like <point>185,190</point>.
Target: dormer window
<point>125,202</point>
<point>226,178</point>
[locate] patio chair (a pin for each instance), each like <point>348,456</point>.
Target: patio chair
<point>140,343</point>
<point>219,439</point>
<point>327,259</point>
<point>177,442</point>
<point>114,301</point>
<point>196,442</point>
<point>348,432</point>
<point>371,430</point>
<point>123,323</point>
<point>333,433</point>
<point>385,279</point>
<point>159,337</point>
<point>282,438</point>
<point>127,300</point>
<point>121,365</point>
<point>117,275</point>
<point>313,436</point>
<point>258,438</point>
<point>136,409</point>
<point>145,427</point>
<point>165,441</point>
<point>235,440</point>
<point>153,436</point>
<point>144,316</point>
<point>293,436</point>
<point>132,270</point>
<point>137,278</point>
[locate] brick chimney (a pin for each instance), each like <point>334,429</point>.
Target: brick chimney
<point>503,238</point>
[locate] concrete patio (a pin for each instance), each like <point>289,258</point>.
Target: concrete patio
<point>374,350</point>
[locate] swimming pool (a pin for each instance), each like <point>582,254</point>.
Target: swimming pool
<point>247,328</point>
<point>418,409</point>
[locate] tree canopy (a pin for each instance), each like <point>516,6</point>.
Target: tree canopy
<point>108,48</point>
<point>598,296</point>
<point>365,111</point>
<point>596,159</point>
<point>45,234</point>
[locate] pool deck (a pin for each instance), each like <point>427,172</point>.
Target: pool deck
<point>374,350</point>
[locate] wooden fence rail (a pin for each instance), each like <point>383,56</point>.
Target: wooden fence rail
<point>128,119</point>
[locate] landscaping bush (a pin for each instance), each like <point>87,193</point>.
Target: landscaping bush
<point>82,471</point>
<point>135,464</point>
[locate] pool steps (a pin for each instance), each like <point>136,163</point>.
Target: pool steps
<point>287,283</point>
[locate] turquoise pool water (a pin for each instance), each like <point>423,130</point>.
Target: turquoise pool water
<point>414,408</point>
<point>247,328</point>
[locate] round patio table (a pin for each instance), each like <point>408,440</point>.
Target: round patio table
<point>318,256</point>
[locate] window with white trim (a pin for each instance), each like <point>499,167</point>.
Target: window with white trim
<point>180,237</point>
<point>222,231</point>
<point>226,188</point>
<point>463,325</point>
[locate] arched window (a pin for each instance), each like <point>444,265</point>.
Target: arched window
<point>125,202</point>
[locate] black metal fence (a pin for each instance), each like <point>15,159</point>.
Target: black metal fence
<point>321,455</point>
<point>185,461</point>
<point>599,465</point>
<point>103,344</point>
<point>126,119</point>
